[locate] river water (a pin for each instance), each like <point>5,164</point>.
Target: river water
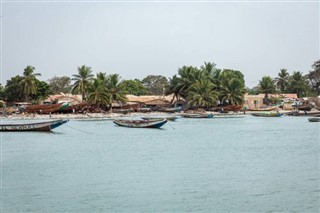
<point>245,164</point>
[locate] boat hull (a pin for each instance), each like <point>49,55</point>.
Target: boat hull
<point>159,118</point>
<point>314,119</point>
<point>140,123</point>
<point>267,114</point>
<point>197,115</point>
<point>40,126</point>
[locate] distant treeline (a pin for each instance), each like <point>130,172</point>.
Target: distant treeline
<point>200,87</point>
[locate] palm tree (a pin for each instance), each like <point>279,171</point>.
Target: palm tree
<point>267,86</point>
<point>174,89</point>
<point>298,84</point>
<point>232,92</point>
<point>97,93</point>
<point>28,83</point>
<point>82,81</point>
<point>209,68</point>
<point>201,94</point>
<point>115,90</point>
<point>282,80</point>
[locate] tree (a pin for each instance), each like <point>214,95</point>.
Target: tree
<point>2,94</point>
<point>28,82</point>
<point>267,86</point>
<point>134,87</point>
<point>201,94</point>
<point>314,77</point>
<point>115,90</point>
<point>43,91</point>
<point>60,84</point>
<point>232,92</point>
<point>155,84</point>
<point>82,81</point>
<point>98,93</point>
<point>13,90</point>
<point>298,84</point>
<point>282,80</point>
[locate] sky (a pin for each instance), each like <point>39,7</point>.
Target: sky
<point>137,39</point>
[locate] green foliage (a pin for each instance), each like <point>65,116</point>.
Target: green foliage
<point>232,92</point>
<point>201,94</point>
<point>13,90</point>
<point>43,91</point>
<point>82,81</point>
<point>115,89</point>
<point>155,84</point>
<point>282,81</point>
<point>2,94</point>
<point>98,94</point>
<point>267,85</point>
<point>60,84</point>
<point>314,78</point>
<point>298,84</point>
<point>28,82</point>
<point>134,87</point>
<point>228,85</point>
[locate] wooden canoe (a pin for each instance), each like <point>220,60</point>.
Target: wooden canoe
<point>140,123</point>
<point>43,108</point>
<point>171,118</point>
<point>315,119</point>
<point>39,126</point>
<point>197,115</point>
<point>276,114</point>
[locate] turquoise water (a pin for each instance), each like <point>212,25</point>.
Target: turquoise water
<point>192,165</point>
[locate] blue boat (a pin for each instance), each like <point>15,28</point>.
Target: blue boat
<point>39,126</point>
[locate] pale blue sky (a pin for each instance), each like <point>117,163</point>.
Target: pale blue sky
<point>137,39</point>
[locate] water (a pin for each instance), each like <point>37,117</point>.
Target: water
<point>208,165</point>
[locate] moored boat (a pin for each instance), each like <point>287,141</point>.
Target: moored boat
<point>140,123</point>
<point>197,115</point>
<point>271,114</point>
<point>43,108</point>
<point>315,119</point>
<point>170,110</point>
<point>171,118</point>
<point>39,126</point>
<point>228,116</point>
<point>262,109</point>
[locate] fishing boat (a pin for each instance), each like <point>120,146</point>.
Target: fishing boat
<point>197,115</point>
<point>315,119</point>
<point>308,114</point>
<point>171,118</point>
<point>262,109</point>
<point>170,110</point>
<point>228,116</point>
<point>140,123</point>
<point>271,114</point>
<point>39,126</point>
<point>43,108</point>
<point>72,108</point>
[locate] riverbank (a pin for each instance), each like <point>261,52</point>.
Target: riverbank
<point>118,115</point>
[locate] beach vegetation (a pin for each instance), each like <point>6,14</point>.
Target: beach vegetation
<point>116,90</point>
<point>282,80</point>
<point>267,86</point>
<point>135,87</point>
<point>28,82</point>
<point>60,84</point>
<point>155,84</point>
<point>82,81</point>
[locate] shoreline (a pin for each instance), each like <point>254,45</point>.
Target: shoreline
<point>106,116</point>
